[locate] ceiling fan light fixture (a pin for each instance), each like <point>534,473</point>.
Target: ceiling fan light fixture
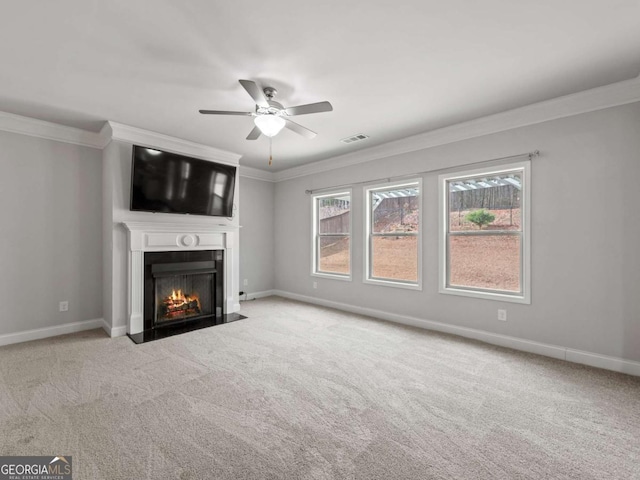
<point>269,125</point>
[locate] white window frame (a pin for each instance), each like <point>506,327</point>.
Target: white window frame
<point>368,236</point>
<point>524,296</point>
<point>315,236</point>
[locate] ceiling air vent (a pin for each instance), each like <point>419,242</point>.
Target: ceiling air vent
<point>355,138</point>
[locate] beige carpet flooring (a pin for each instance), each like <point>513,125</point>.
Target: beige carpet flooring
<point>304,392</point>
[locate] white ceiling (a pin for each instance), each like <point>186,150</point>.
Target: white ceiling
<point>390,69</point>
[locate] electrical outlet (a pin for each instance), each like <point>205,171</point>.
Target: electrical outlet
<point>502,315</point>
<point>315,284</point>
<point>246,282</point>
<point>64,306</point>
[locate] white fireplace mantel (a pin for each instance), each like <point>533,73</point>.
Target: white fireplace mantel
<point>163,236</point>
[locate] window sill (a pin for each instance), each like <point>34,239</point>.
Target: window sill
<point>501,297</point>
<point>394,284</point>
<point>332,276</point>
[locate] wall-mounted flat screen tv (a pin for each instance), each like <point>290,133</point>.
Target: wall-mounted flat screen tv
<point>171,183</point>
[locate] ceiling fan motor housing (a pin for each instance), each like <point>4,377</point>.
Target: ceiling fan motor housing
<point>270,92</point>
<point>275,108</point>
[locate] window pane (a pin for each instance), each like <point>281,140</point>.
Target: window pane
<point>334,255</point>
<point>485,261</point>
<point>333,214</point>
<point>395,210</point>
<point>395,258</point>
<point>487,203</point>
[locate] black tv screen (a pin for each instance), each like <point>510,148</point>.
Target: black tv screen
<point>171,183</point>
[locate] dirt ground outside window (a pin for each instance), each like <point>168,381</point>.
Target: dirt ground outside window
<point>491,262</point>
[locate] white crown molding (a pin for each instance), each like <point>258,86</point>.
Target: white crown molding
<point>138,136</point>
<point>48,130</point>
<point>612,95</point>
<point>256,174</point>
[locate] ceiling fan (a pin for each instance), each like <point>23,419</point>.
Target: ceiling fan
<point>271,116</point>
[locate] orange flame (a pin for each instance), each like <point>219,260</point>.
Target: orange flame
<point>179,304</point>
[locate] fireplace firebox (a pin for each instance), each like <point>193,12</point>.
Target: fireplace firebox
<point>182,286</point>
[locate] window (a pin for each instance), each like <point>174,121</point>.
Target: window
<point>332,235</point>
<point>393,247</point>
<point>484,232</point>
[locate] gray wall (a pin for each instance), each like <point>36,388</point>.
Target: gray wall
<point>50,235</point>
<point>257,247</point>
<point>585,231</point>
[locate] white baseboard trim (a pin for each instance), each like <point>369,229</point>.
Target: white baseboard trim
<point>615,364</point>
<point>39,333</point>
<point>253,296</point>
<point>118,332</point>
<point>114,331</point>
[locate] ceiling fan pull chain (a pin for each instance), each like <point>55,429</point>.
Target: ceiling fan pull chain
<point>270,155</point>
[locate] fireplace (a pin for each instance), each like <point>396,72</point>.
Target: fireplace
<point>182,286</point>
<point>182,277</point>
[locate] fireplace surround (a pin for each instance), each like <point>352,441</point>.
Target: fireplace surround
<point>163,253</point>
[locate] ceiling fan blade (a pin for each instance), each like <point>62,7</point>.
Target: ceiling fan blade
<point>310,108</point>
<point>223,112</point>
<point>299,129</point>
<point>256,93</point>
<point>254,134</point>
